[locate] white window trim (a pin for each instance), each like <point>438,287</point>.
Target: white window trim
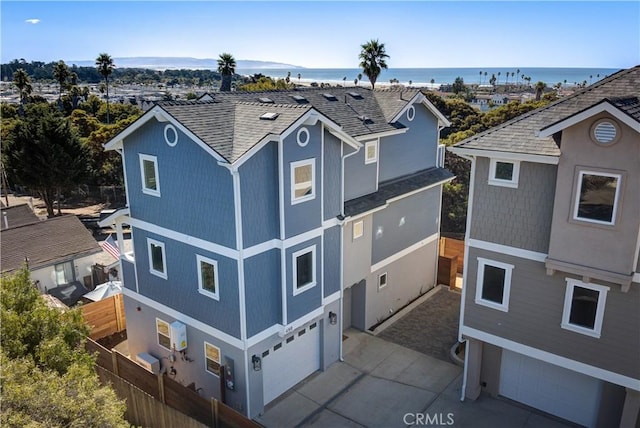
<point>358,225</point>
<point>201,289</point>
<point>504,306</point>
<point>373,159</point>
<point>167,335</point>
<point>304,198</point>
<point>616,199</point>
<point>162,275</point>
<point>386,280</point>
<point>294,278</point>
<point>145,189</point>
<point>204,348</point>
<point>513,183</point>
<point>566,310</point>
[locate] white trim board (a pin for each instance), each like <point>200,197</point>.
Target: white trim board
<point>526,157</point>
<point>586,114</point>
<point>507,250</point>
<point>548,357</point>
<point>400,254</point>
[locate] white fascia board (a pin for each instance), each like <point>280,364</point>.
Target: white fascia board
<point>252,151</point>
<point>420,98</point>
<point>586,114</point>
<point>111,219</point>
<point>525,157</point>
<point>369,137</point>
<point>162,116</point>
<point>554,359</point>
<point>422,189</point>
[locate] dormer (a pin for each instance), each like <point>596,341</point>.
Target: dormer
<point>595,227</point>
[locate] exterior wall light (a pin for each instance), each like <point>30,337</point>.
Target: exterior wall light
<point>333,318</point>
<point>257,363</point>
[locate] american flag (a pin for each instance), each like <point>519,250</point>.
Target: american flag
<point>110,246</point>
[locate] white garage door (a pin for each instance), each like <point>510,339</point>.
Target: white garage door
<point>552,389</point>
<point>290,361</point>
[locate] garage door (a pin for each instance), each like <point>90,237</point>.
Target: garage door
<point>552,389</point>
<point>290,361</point>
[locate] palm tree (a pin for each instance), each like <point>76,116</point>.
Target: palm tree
<point>226,67</point>
<point>299,76</point>
<point>480,77</point>
<point>105,66</point>
<point>517,75</point>
<point>61,73</point>
<point>372,60</point>
<point>540,87</point>
<point>498,77</point>
<point>23,83</point>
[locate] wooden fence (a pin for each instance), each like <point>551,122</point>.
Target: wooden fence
<point>453,247</point>
<point>154,394</point>
<point>105,317</point>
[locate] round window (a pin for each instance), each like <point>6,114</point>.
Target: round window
<point>605,132</point>
<point>303,137</point>
<point>170,135</point>
<point>411,113</point>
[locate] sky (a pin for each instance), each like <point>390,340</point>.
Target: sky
<point>328,34</point>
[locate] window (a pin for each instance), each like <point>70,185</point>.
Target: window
<point>302,181</point>
<point>149,171</point>
<point>504,173</point>
<point>358,229</point>
<point>584,307</point>
<point>597,197</point>
<point>208,277</point>
<point>304,273</point>
<point>382,280</point>
<point>212,359</point>
<point>371,152</point>
<point>493,284</point>
<point>157,258</point>
<point>164,337</point>
<point>64,273</point>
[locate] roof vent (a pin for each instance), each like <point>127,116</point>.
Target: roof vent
<point>329,96</point>
<point>364,119</point>
<point>355,95</point>
<point>265,100</point>
<point>269,116</point>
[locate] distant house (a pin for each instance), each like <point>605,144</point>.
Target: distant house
<point>551,304</point>
<point>57,251</point>
<point>264,224</point>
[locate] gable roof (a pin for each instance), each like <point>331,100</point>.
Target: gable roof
<point>17,215</point>
<point>45,243</point>
<point>228,124</point>
<point>521,134</point>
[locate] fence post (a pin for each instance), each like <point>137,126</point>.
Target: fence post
<point>119,312</point>
<point>161,387</point>
<point>214,412</point>
<point>114,362</point>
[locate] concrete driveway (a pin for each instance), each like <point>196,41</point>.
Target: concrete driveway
<point>382,384</point>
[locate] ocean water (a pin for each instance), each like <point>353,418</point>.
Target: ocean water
<point>423,76</point>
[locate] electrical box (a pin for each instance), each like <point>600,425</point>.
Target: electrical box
<point>178,334</point>
<point>149,362</point>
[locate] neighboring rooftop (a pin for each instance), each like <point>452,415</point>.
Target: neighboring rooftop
<point>17,215</point>
<point>519,135</point>
<point>45,243</point>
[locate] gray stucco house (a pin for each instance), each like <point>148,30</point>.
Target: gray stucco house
<point>263,224</point>
<point>551,303</point>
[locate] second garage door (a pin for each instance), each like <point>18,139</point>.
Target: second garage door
<point>290,361</point>
<point>550,388</point>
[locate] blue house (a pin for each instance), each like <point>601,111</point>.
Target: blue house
<point>264,224</point>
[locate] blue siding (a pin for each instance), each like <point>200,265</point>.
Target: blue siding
<point>128,275</point>
<point>195,190</point>
<point>304,216</point>
<point>359,178</point>
<point>311,299</point>
<point>421,218</point>
<point>332,176</point>
<point>180,290</point>
<point>412,151</point>
<point>260,196</point>
<point>331,260</point>
<point>263,291</point>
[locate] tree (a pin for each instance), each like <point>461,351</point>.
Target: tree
<point>105,66</point>
<point>458,85</point>
<point>373,60</point>
<point>226,67</point>
<point>540,87</point>
<point>61,73</point>
<point>44,153</point>
<point>47,377</point>
<point>22,81</point>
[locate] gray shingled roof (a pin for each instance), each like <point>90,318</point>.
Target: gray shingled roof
<point>17,215</point>
<point>629,105</point>
<point>519,135</point>
<point>232,128</point>
<point>396,187</point>
<point>393,100</point>
<point>45,243</point>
